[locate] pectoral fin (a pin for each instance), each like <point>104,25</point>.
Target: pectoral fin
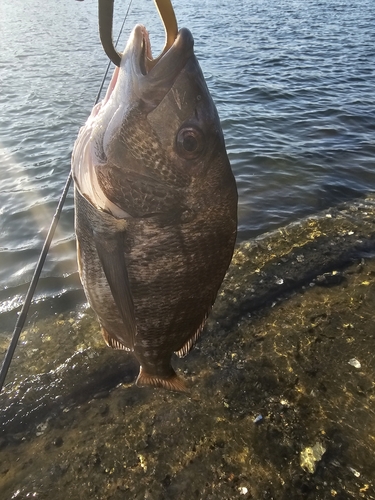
<point>110,250</point>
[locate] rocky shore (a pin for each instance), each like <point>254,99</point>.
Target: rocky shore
<point>281,402</point>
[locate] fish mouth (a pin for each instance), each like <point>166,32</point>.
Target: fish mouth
<point>143,61</point>
<point>146,61</point>
<point>140,76</point>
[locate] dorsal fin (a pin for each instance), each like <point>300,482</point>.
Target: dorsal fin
<point>185,349</point>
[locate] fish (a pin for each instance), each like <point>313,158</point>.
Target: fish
<point>155,206</point>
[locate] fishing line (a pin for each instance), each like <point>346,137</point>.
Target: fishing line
<point>20,323</point>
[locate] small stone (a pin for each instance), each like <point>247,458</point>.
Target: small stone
<point>142,462</point>
<point>310,457</point>
<point>329,279</point>
<point>41,428</point>
<point>58,441</point>
<point>258,419</point>
<point>243,490</point>
<point>354,362</point>
<point>355,472</point>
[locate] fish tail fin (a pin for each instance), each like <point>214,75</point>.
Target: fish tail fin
<point>172,383</point>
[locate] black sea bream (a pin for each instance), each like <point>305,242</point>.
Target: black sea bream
<point>156,206</point>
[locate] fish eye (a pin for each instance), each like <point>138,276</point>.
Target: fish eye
<point>189,142</point>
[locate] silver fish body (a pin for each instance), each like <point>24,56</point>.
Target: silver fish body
<point>156,206</point>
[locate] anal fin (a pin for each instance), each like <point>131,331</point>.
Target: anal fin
<point>112,342</point>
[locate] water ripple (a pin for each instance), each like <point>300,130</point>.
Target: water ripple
<point>293,82</point>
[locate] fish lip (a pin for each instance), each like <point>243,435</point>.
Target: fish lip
<point>140,45</point>
<point>148,83</point>
<point>142,50</point>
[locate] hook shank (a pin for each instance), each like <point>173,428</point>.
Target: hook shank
<point>105,11</point>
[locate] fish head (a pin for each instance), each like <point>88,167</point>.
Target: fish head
<point>139,83</point>
<point>157,131</point>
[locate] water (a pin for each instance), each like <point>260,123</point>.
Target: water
<point>293,82</point>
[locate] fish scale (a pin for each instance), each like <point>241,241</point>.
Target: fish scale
<point>142,143</point>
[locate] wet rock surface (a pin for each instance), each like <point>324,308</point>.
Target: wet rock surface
<point>282,401</point>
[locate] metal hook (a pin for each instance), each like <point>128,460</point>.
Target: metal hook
<point>105,10</point>
<point>105,14</point>
<point>168,18</point>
